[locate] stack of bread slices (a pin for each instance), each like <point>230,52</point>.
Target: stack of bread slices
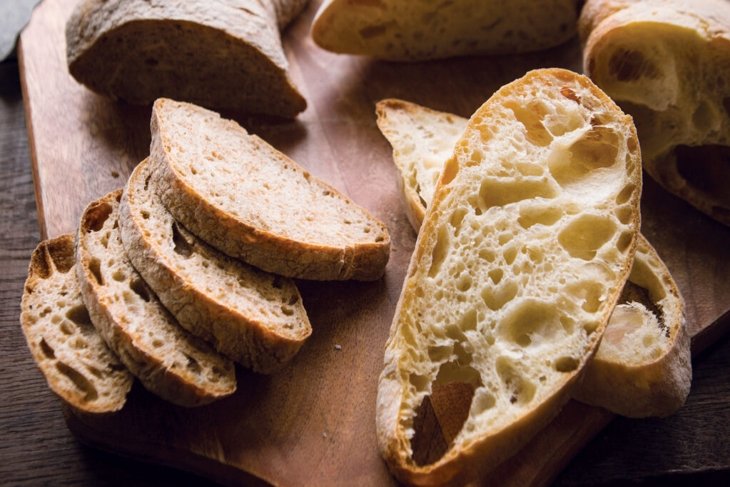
<point>189,268</point>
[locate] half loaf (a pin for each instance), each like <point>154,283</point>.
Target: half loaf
<point>221,54</point>
<point>168,360</point>
<point>76,362</point>
<point>406,30</point>
<point>519,263</point>
<point>642,366</point>
<point>268,211</point>
<point>667,62</point>
<point>248,315</point>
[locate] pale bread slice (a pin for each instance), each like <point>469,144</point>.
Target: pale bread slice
<point>518,265</point>
<point>252,317</point>
<point>400,30</point>
<point>667,62</point>
<point>642,367</point>
<point>76,362</point>
<point>168,360</point>
<point>222,54</point>
<point>252,202</point>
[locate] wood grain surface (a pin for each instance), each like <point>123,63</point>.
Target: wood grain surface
<point>313,423</point>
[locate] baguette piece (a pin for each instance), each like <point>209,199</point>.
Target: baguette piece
<point>268,211</point>
<point>76,362</point>
<point>666,63</point>
<point>167,360</point>
<point>223,54</point>
<point>519,263</point>
<point>642,366</point>
<point>402,30</point>
<point>250,316</point>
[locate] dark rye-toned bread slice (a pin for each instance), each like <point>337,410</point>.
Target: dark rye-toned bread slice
<point>642,366</point>
<point>76,362</point>
<point>249,200</point>
<point>225,54</point>
<point>402,30</point>
<point>249,315</point>
<point>519,263</point>
<point>168,360</point>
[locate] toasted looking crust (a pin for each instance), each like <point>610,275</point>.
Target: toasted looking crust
<point>76,362</point>
<point>666,63</point>
<point>168,360</point>
<point>248,315</point>
<point>518,265</point>
<point>401,30</point>
<point>266,209</point>
<point>223,54</point>
<point>642,367</point>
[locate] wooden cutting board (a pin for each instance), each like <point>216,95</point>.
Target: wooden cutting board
<point>313,423</point>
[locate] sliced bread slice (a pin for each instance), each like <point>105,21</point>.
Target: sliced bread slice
<point>268,211</point>
<point>666,63</point>
<point>400,30</point>
<point>249,315</point>
<point>642,367</point>
<point>76,362</point>
<point>521,259</point>
<point>168,360</point>
<point>222,54</point>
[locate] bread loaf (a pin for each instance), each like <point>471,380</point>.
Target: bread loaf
<point>225,54</point>
<point>248,315</point>
<point>168,360</point>
<point>520,260</point>
<point>252,202</point>
<point>76,362</point>
<point>401,30</point>
<point>642,367</point>
<point>667,62</point>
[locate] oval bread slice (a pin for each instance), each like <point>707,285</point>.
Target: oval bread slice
<point>518,265</point>
<point>252,317</point>
<point>267,210</point>
<point>642,366</point>
<point>167,360</point>
<point>667,62</point>
<point>77,364</point>
<point>401,30</point>
<point>221,54</point>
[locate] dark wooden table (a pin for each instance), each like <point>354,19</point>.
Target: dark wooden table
<point>689,448</point>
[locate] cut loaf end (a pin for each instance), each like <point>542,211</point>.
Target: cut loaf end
<point>518,265</point>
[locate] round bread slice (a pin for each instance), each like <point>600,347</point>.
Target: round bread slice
<point>400,30</point>
<point>252,317</point>
<point>252,202</point>
<point>518,265</point>
<point>222,54</point>
<point>168,361</point>
<point>77,364</point>
<point>642,366</point>
<point>667,62</point>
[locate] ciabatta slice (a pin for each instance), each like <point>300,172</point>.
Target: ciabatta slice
<point>249,200</point>
<point>402,30</point>
<point>76,362</point>
<point>249,315</point>
<point>666,63</point>
<point>168,360</point>
<point>642,367</point>
<point>521,259</point>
